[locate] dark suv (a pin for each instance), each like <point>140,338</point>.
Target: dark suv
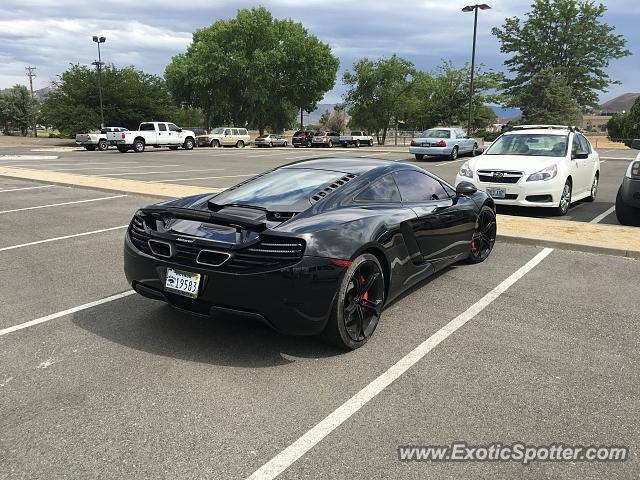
<point>303,138</point>
<point>628,199</point>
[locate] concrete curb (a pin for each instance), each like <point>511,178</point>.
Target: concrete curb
<point>533,242</point>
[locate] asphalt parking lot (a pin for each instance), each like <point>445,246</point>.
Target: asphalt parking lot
<point>227,166</point>
<point>96,382</point>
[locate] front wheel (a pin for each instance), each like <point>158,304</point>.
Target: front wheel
<point>309,144</point>
<point>358,305</point>
<point>357,144</point>
<point>474,152</point>
<point>188,144</point>
<point>594,189</point>
<point>330,144</point>
<point>214,144</point>
<point>565,200</point>
<point>285,144</point>
<point>240,144</point>
<point>484,236</point>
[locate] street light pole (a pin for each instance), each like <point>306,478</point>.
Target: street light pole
<point>473,8</point>
<point>100,40</point>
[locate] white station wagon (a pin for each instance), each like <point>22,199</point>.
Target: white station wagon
<point>536,166</point>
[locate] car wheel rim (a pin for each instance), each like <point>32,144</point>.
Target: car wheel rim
<point>565,201</point>
<point>484,237</point>
<point>363,301</point>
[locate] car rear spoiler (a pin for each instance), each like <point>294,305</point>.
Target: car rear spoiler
<point>207,217</point>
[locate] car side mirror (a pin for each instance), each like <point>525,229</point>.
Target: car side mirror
<point>580,156</point>
<point>179,130</point>
<point>465,189</point>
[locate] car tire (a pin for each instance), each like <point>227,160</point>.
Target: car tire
<point>565,200</point>
<point>371,143</point>
<point>138,146</point>
<point>270,144</point>
<point>625,213</point>
<point>122,148</point>
<point>594,188</point>
<point>188,144</point>
<point>240,144</point>
<point>309,144</point>
<point>285,144</point>
<point>484,236</point>
<point>214,144</point>
<point>330,144</point>
<point>355,314</point>
<point>103,145</point>
<point>454,153</point>
<point>90,148</point>
<point>419,156</point>
<point>474,152</point>
<point>357,144</point>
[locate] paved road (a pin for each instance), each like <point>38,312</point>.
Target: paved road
<point>228,166</point>
<point>133,389</point>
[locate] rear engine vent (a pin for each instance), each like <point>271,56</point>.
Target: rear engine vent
<point>139,236</point>
<point>335,185</point>
<point>270,253</point>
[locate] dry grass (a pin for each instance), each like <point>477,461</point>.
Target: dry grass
<point>604,142</point>
<point>16,141</point>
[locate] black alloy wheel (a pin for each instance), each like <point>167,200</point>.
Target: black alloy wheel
<point>484,236</point>
<point>358,305</point>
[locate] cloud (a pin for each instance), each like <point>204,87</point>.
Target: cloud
<point>50,35</point>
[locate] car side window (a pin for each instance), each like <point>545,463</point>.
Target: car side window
<point>383,190</point>
<point>418,187</point>
<point>172,127</point>
<point>146,127</point>
<point>162,127</point>
<point>584,144</point>
<point>243,131</point>
<point>234,131</point>
<point>227,131</point>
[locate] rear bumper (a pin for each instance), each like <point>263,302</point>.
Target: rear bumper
<point>295,300</point>
<point>435,151</point>
<point>299,141</point>
<point>631,192</point>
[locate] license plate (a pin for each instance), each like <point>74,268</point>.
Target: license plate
<point>426,144</point>
<point>182,283</point>
<point>497,192</point>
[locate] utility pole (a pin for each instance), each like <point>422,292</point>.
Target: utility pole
<point>98,64</point>
<point>30,74</point>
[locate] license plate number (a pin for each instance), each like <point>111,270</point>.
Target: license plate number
<point>497,192</point>
<point>182,283</point>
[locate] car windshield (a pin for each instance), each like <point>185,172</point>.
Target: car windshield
<point>436,133</point>
<point>283,187</point>
<point>530,145</point>
<point>217,131</point>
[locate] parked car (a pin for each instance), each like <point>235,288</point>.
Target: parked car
<point>536,166</point>
<point>318,246</point>
<point>197,131</point>
<point>356,139</point>
<point>155,134</point>
<point>270,140</point>
<point>325,139</point>
<point>303,138</point>
<point>443,142</point>
<point>628,198</point>
<point>226,137</point>
<point>91,141</point>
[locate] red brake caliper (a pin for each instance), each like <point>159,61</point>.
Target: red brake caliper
<point>365,296</point>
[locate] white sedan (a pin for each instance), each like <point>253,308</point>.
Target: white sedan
<point>536,166</point>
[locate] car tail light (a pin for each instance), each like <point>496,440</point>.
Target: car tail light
<point>442,143</point>
<point>413,143</point>
<point>122,135</point>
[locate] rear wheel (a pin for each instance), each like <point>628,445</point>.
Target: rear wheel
<point>484,236</point>
<point>419,156</point>
<point>594,188</point>
<point>371,143</point>
<point>625,213</point>
<point>474,152</point>
<point>102,145</point>
<point>358,305</point>
<point>330,145</point>
<point>138,146</point>
<point>565,199</point>
<point>309,144</point>
<point>357,143</point>
<point>454,153</point>
<point>270,144</point>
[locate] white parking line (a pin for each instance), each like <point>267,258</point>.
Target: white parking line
<point>61,204</point>
<point>27,188</point>
<point>63,313</point>
<point>64,164</point>
<point>166,171</point>
<point>109,168</point>
<point>603,215</point>
<point>450,162</point>
<point>55,239</point>
<point>306,442</point>
<point>201,178</point>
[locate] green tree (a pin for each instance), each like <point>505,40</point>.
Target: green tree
<point>378,93</point>
<point>624,127</point>
<point>253,71</point>
<point>18,109</point>
<point>336,121</point>
<point>130,97</point>
<point>566,35</point>
<point>548,99</point>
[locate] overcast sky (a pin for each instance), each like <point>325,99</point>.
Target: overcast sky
<point>51,34</point>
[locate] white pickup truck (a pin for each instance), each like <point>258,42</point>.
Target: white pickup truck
<point>356,138</point>
<point>155,134</point>
<point>91,141</point>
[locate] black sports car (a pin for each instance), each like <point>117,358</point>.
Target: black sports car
<point>318,246</point>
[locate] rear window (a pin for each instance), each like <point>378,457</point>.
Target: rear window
<point>436,133</point>
<point>284,187</point>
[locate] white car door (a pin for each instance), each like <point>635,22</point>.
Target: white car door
<point>163,134</point>
<point>175,136</point>
<point>582,178</point>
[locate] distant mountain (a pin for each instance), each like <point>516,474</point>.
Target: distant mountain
<point>313,118</point>
<point>621,103</point>
<point>42,93</point>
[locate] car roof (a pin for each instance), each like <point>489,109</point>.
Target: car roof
<point>539,131</point>
<point>347,165</point>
